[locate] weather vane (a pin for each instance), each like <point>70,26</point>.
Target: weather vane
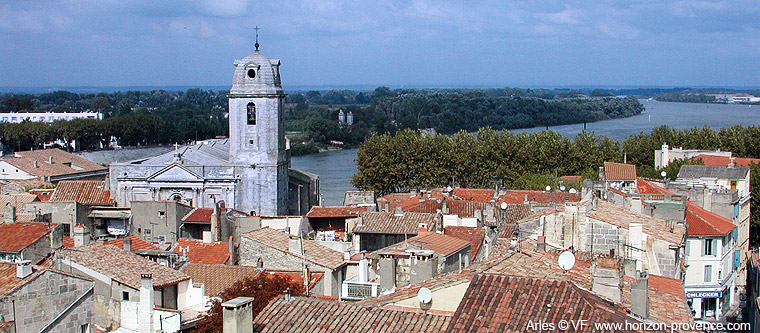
<point>257,37</point>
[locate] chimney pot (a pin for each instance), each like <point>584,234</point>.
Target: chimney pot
<point>23,269</point>
<point>237,314</point>
<point>128,245</point>
<point>207,237</point>
<point>640,295</point>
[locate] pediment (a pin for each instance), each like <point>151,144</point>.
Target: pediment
<point>175,173</point>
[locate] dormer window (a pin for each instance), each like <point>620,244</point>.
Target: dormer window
<point>251,111</point>
<point>251,73</point>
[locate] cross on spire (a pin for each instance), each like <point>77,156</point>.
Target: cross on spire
<point>257,38</point>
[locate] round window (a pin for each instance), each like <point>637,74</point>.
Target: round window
<point>251,73</point>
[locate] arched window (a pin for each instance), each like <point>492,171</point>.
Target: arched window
<point>251,114</point>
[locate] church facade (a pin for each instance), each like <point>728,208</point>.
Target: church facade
<point>249,171</point>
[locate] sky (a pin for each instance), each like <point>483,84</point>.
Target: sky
<point>408,43</point>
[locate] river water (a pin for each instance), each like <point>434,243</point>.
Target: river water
<point>336,168</point>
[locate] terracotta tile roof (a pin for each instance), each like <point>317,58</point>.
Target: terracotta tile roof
<point>512,302</point>
<point>389,223</point>
<point>17,201</point>
<point>473,194</point>
<point>297,277</point>
<point>91,192</point>
<point>68,241</point>
<point>314,252</point>
<point>706,223</point>
<point>137,243</point>
<point>461,208</point>
<point>573,178</point>
<point>303,314</point>
<point>43,194</point>
<point>8,280</point>
<point>511,215</point>
<point>340,211</point>
<point>649,187</point>
<point>218,278</point>
<point>474,236</point>
<point>63,163</point>
<point>440,243</point>
<point>17,236</point>
<point>539,197</point>
<point>393,200</point>
<point>653,226</point>
<point>710,160</point>
<point>199,215</point>
<point>204,253</point>
<point>619,171</point>
<point>123,266</point>
<point>667,300</point>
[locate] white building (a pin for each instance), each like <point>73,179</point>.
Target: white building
<point>712,259</point>
<point>249,171</point>
<point>665,155</point>
<point>48,117</point>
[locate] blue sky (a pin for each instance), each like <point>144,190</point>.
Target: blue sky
<point>418,42</point>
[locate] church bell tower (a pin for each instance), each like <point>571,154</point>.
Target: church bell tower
<point>257,134</point>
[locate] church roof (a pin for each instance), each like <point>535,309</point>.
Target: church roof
<point>208,152</point>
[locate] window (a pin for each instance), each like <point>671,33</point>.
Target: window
<point>66,229</point>
<point>251,73</point>
<point>251,112</point>
<point>146,233</point>
<point>162,213</point>
<point>84,328</point>
<point>708,273</point>
<point>733,184</point>
<point>124,295</point>
<point>710,245</point>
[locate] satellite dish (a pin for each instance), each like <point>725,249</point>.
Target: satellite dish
<point>573,191</point>
<point>548,188</point>
<point>448,188</point>
<point>503,206</point>
<point>562,188</point>
<point>425,295</point>
<point>663,173</point>
<point>566,260</point>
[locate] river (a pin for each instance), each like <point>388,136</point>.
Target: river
<point>336,168</point>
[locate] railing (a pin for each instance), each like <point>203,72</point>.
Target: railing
<point>355,290</point>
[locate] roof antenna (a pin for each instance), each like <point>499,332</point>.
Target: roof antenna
<point>257,38</point>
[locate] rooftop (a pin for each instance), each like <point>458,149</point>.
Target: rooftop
<point>655,227</point>
<point>123,266</point>
<point>335,212</point>
<point>440,243</point>
<point>137,243</point>
<point>619,171</point>
<point>91,192</point>
<point>8,280</point>
<point>303,314</point>
<point>711,160</point>
<point>217,277</point>
<point>18,236</point>
<point>474,236</point>
<point>313,251</point>
<point>17,200</point>
<point>199,215</point>
<point>706,223</point>
<point>204,253</point>
<point>540,197</point>
<point>718,172</point>
<point>63,163</point>
<point>390,223</point>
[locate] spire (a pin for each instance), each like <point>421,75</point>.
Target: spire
<point>257,38</point>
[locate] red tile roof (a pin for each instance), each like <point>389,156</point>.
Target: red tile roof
<point>17,201</point>
<point>390,223</point>
<point>473,194</point>
<point>123,266</point>
<point>440,243</point>
<point>297,277</point>
<point>706,223</point>
<point>649,187</point>
<point>63,163</point>
<point>68,241</point>
<point>303,314</point>
<point>341,211</point>
<point>313,251</point>
<point>8,280</point>
<point>17,236</point>
<point>619,171</point>
<point>216,277</point>
<point>204,253</point>
<point>199,215</point>
<point>573,178</point>
<point>137,243</point>
<point>43,194</point>
<point>499,303</point>
<point>541,197</point>
<point>710,160</point>
<point>474,236</point>
<point>91,192</point>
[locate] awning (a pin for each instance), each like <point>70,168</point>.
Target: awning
<point>110,214</point>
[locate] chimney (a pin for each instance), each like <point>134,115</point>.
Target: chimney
<point>23,269</point>
<point>233,256</point>
<point>9,214</point>
<point>635,239</point>
<point>36,164</point>
<point>80,236</point>
<point>636,205</point>
<point>207,237</point>
<point>363,270</point>
<point>541,244</point>
<point>640,295</point>
<point>445,208</point>
<point>732,162</point>
<point>50,160</point>
<point>237,315</point>
<point>127,244</point>
<point>295,246</point>
<point>145,307</point>
<point>607,278</point>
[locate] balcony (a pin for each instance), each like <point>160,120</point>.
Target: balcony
<point>353,290</point>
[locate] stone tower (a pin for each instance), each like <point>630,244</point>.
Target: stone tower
<point>257,134</point>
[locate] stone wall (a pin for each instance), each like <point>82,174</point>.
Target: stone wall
<point>46,296</point>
